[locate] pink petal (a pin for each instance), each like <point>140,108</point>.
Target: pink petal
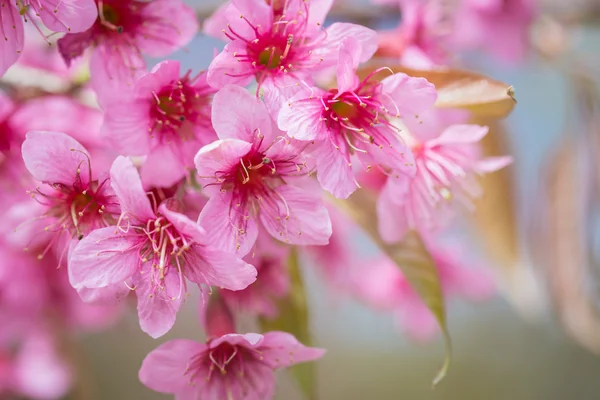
<point>158,300</point>
<point>297,217</point>
<point>114,67</point>
<point>300,117</point>
<point>259,13</point>
<point>182,223</point>
<point>218,20</point>
<point>67,15</point>
<point>126,125</point>
<point>281,349</point>
<point>158,37</point>
<point>213,267</point>
<point>492,164</point>
<point>39,372</point>
<point>218,217</point>
<point>225,69</point>
<point>237,114</point>
<point>59,114</point>
<point>108,295</point>
<point>54,157</point>
<point>219,156</point>
<point>334,173</point>
<point>162,168</point>
<point>164,368</point>
<point>460,134</point>
<point>391,210</point>
<point>104,258</point>
<point>11,25</point>
<point>336,32</point>
<point>127,185</point>
<point>349,57</point>
<point>408,95</point>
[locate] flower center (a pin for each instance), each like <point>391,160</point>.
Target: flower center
<point>109,14</point>
<point>270,57</point>
<point>252,169</point>
<point>175,104</point>
<point>344,109</point>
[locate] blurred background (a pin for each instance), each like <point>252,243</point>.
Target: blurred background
<point>538,337</point>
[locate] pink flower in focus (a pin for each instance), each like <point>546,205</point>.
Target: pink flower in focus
<point>448,162</point>
<point>272,281</point>
<point>500,27</point>
<point>166,118</point>
<point>354,120</point>
<point>124,31</point>
<point>249,170</point>
<point>233,366</point>
<point>154,248</point>
<point>56,15</point>
<point>278,40</point>
<point>73,202</point>
<point>385,287</point>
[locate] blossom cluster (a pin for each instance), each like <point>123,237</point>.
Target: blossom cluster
<point>176,180</point>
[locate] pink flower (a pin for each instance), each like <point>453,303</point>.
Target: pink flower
<point>233,366</point>
<point>272,282</point>
<point>278,40</point>
<point>124,31</point>
<point>166,118</point>
<point>73,203</point>
<point>153,248</point>
<point>56,15</point>
<point>250,169</point>
<point>354,120</point>
<point>448,161</point>
<point>500,27</point>
<point>420,38</point>
<point>38,371</point>
<point>385,287</point>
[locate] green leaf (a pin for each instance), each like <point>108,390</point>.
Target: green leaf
<point>293,318</point>
<point>412,258</point>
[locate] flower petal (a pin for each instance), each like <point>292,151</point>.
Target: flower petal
<point>226,225</point>
<point>259,13</point>
<point>460,134</point>
<point>336,32</point>
<point>104,258</point>
<point>162,168</point>
<point>205,265</point>
<point>334,173</point>
<point>55,157</point>
<point>158,299</point>
<point>151,38</point>
<point>282,349</point>
<point>67,15</point>
<point>164,368</point>
<point>127,185</point>
<point>408,95</point>
<point>301,117</point>
<point>296,217</point>
<point>237,114</point>
<point>219,156</point>
<point>225,69</point>
<point>349,57</point>
<point>11,25</point>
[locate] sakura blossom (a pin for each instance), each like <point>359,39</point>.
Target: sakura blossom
<point>125,31</point>
<point>277,41</point>
<point>448,161</point>
<point>249,173</point>
<point>258,186</point>
<point>73,202</point>
<point>152,250</point>
<point>353,120</point>
<point>56,15</point>
<point>235,366</point>
<point>167,119</point>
